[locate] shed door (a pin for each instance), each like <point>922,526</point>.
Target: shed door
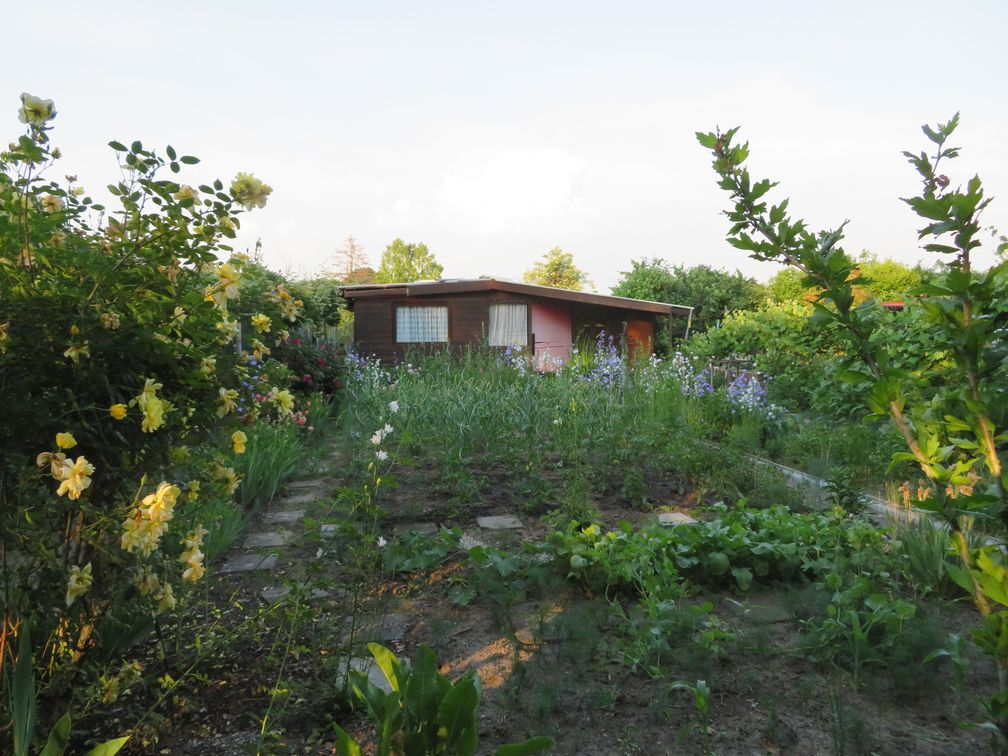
<point>553,333</point>
<point>640,338</point>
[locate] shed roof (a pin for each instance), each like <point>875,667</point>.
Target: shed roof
<point>467,285</point>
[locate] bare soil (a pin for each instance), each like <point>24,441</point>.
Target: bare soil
<point>549,663</point>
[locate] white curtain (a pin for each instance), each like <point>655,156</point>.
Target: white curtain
<point>508,325</point>
<point>421,325</point>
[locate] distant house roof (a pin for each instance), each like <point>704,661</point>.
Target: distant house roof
<point>467,285</point>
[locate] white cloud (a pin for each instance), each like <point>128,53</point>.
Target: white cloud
<point>513,187</point>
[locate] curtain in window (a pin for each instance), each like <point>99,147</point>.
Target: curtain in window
<point>421,324</point>
<point>508,325</point>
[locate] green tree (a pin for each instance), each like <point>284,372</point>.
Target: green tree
<point>788,285</point>
<point>881,280</point>
<point>712,293</point>
<point>647,279</point>
<point>402,262</point>
<point>557,269</point>
<point>887,280</point>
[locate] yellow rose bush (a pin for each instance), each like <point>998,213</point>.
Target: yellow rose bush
<point>118,330</point>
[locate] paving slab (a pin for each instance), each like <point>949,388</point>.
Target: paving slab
<point>499,522</point>
<point>671,519</point>
<point>267,540</point>
<point>370,668</point>
<point>420,528</point>
<point>328,530</point>
<point>306,497</point>
<point>248,563</point>
<point>285,516</point>
<point>300,485</point>
<point>276,592</point>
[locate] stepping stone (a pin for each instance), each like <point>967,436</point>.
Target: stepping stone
<point>328,530</point>
<point>285,516</point>
<point>301,498</point>
<point>273,593</point>
<point>499,522</point>
<point>671,519</point>
<point>277,592</point>
<point>420,528</point>
<point>248,563</point>
<point>370,668</point>
<point>267,540</point>
<point>393,627</point>
<point>300,485</point>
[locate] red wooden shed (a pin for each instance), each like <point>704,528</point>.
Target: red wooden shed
<point>389,318</point>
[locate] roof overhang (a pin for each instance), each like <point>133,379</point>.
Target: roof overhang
<point>465,286</point>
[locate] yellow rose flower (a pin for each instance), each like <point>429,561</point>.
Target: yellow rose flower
<point>35,111</point>
<point>227,474</point>
<point>118,411</point>
<point>238,440</point>
<point>77,478</point>
<point>250,191</point>
<point>52,204</point>
<point>228,329</point>
<point>165,599</point>
<point>65,441</point>
<point>4,336</point>
<point>147,582</point>
<point>78,583</point>
<point>58,464</point>
<point>76,351</point>
<point>148,520</point>
<point>259,350</point>
<point>110,321</point>
<point>193,490</point>
<point>152,406</point>
<point>207,366</point>
<point>261,323</point>
<point>185,192</point>
<point>227,286</point>
<point>226,401</point>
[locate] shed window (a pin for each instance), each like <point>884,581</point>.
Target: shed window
<point>508,325</point>
<point>421,324</point>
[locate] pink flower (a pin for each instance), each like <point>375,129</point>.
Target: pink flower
<point>297,342</point>
<point>306,378</point>
<point>311,428</point>
<point>321,360</point>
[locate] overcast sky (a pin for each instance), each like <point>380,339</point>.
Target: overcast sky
<point>493,132</point>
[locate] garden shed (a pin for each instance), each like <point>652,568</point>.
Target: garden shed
<point>548,322</point>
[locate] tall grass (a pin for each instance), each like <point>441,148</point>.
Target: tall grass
<point>272,454</point>
<point>482,417</point>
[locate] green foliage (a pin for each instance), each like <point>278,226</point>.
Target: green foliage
<point>272,453</point>
<point>425,713</point>
<point>557,269</point>
<point>862,622</point>
<point>403,262</point>
<point>313,368</point>
<point>23,706</point>
<point>712,293</point>
<point>950,429</point>
<point>736,548</point>
<point>536,434</point>
<point>323,306</point>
